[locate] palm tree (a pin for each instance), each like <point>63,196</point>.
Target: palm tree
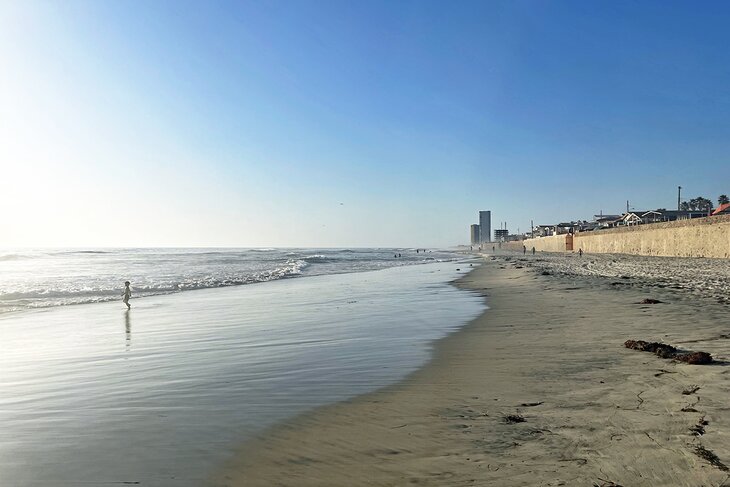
<point>722,199</point>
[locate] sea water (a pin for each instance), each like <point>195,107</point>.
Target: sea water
<point>31,278</point>
<point>93,394</point>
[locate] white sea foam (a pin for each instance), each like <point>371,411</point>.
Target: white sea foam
<point>43,278</point>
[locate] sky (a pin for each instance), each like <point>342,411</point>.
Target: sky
<point>351,124</point>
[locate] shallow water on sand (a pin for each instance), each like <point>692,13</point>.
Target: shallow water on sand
<point>162,394</point>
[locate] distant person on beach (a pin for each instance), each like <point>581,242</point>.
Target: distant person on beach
<point>533,250</point>
<point>126,294</point>
<point>580,252</point>
<point>524,250</point>
<point>492,248</point>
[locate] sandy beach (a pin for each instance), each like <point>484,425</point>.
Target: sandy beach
<point>539,390</point>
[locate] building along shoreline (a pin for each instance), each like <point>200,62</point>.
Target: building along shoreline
<point>698,237</point>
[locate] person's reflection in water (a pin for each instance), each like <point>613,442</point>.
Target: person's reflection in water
<point>128,329</point>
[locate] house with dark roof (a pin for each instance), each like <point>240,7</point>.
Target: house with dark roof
<point>651,216</point>
<point>664,215</point>
<point>605,221</point>
<point>671,215</point>
<point>632,218</point>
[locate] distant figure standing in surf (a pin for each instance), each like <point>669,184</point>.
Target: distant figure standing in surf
<point>126,294</point>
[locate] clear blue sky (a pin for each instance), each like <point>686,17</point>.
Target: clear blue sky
<point>314,123</point>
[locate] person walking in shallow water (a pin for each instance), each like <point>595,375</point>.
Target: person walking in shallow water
<point>126,294</point>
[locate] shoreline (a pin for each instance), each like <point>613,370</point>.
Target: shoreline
<point>183,379</point>
<point>549,350</point>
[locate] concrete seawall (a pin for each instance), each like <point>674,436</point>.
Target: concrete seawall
<point>556,243</point>
<point>699,237</point>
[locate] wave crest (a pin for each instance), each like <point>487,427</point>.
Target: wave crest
<point>45,297</point>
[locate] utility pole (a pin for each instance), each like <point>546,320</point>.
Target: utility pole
<point>532,229</point>
<point>627,206</point>
<point>679,197</point>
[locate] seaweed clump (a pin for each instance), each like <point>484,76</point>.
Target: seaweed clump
<point>667,351</point>
<point>514,418</point>
<point>695,358</point>
<point>699,428</point>
<point>711,458</point>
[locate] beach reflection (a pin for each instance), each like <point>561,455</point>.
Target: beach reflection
<point>127,330</point>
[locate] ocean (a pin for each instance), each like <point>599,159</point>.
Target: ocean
<point>218,346</point>
<point>53,277</point>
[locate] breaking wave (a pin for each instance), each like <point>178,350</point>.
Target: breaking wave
<point>55,277</point>
<point>73,293</point>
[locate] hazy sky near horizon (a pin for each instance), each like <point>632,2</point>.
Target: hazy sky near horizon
<point>318,123</point>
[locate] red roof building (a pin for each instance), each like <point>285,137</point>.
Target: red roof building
<point>722,209</point>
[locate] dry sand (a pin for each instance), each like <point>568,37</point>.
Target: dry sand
<point>550,350</point>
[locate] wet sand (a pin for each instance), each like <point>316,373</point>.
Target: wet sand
<point>94,395</point>
<point>548,351</point>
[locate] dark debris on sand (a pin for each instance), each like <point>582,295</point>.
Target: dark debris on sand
<point>514,418</point>
<point>667,351</point>
<point>695,358</point>
<point>711,458</point>
<point>699,428</point>
<point>606,483</point>
<point>650,301</point>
